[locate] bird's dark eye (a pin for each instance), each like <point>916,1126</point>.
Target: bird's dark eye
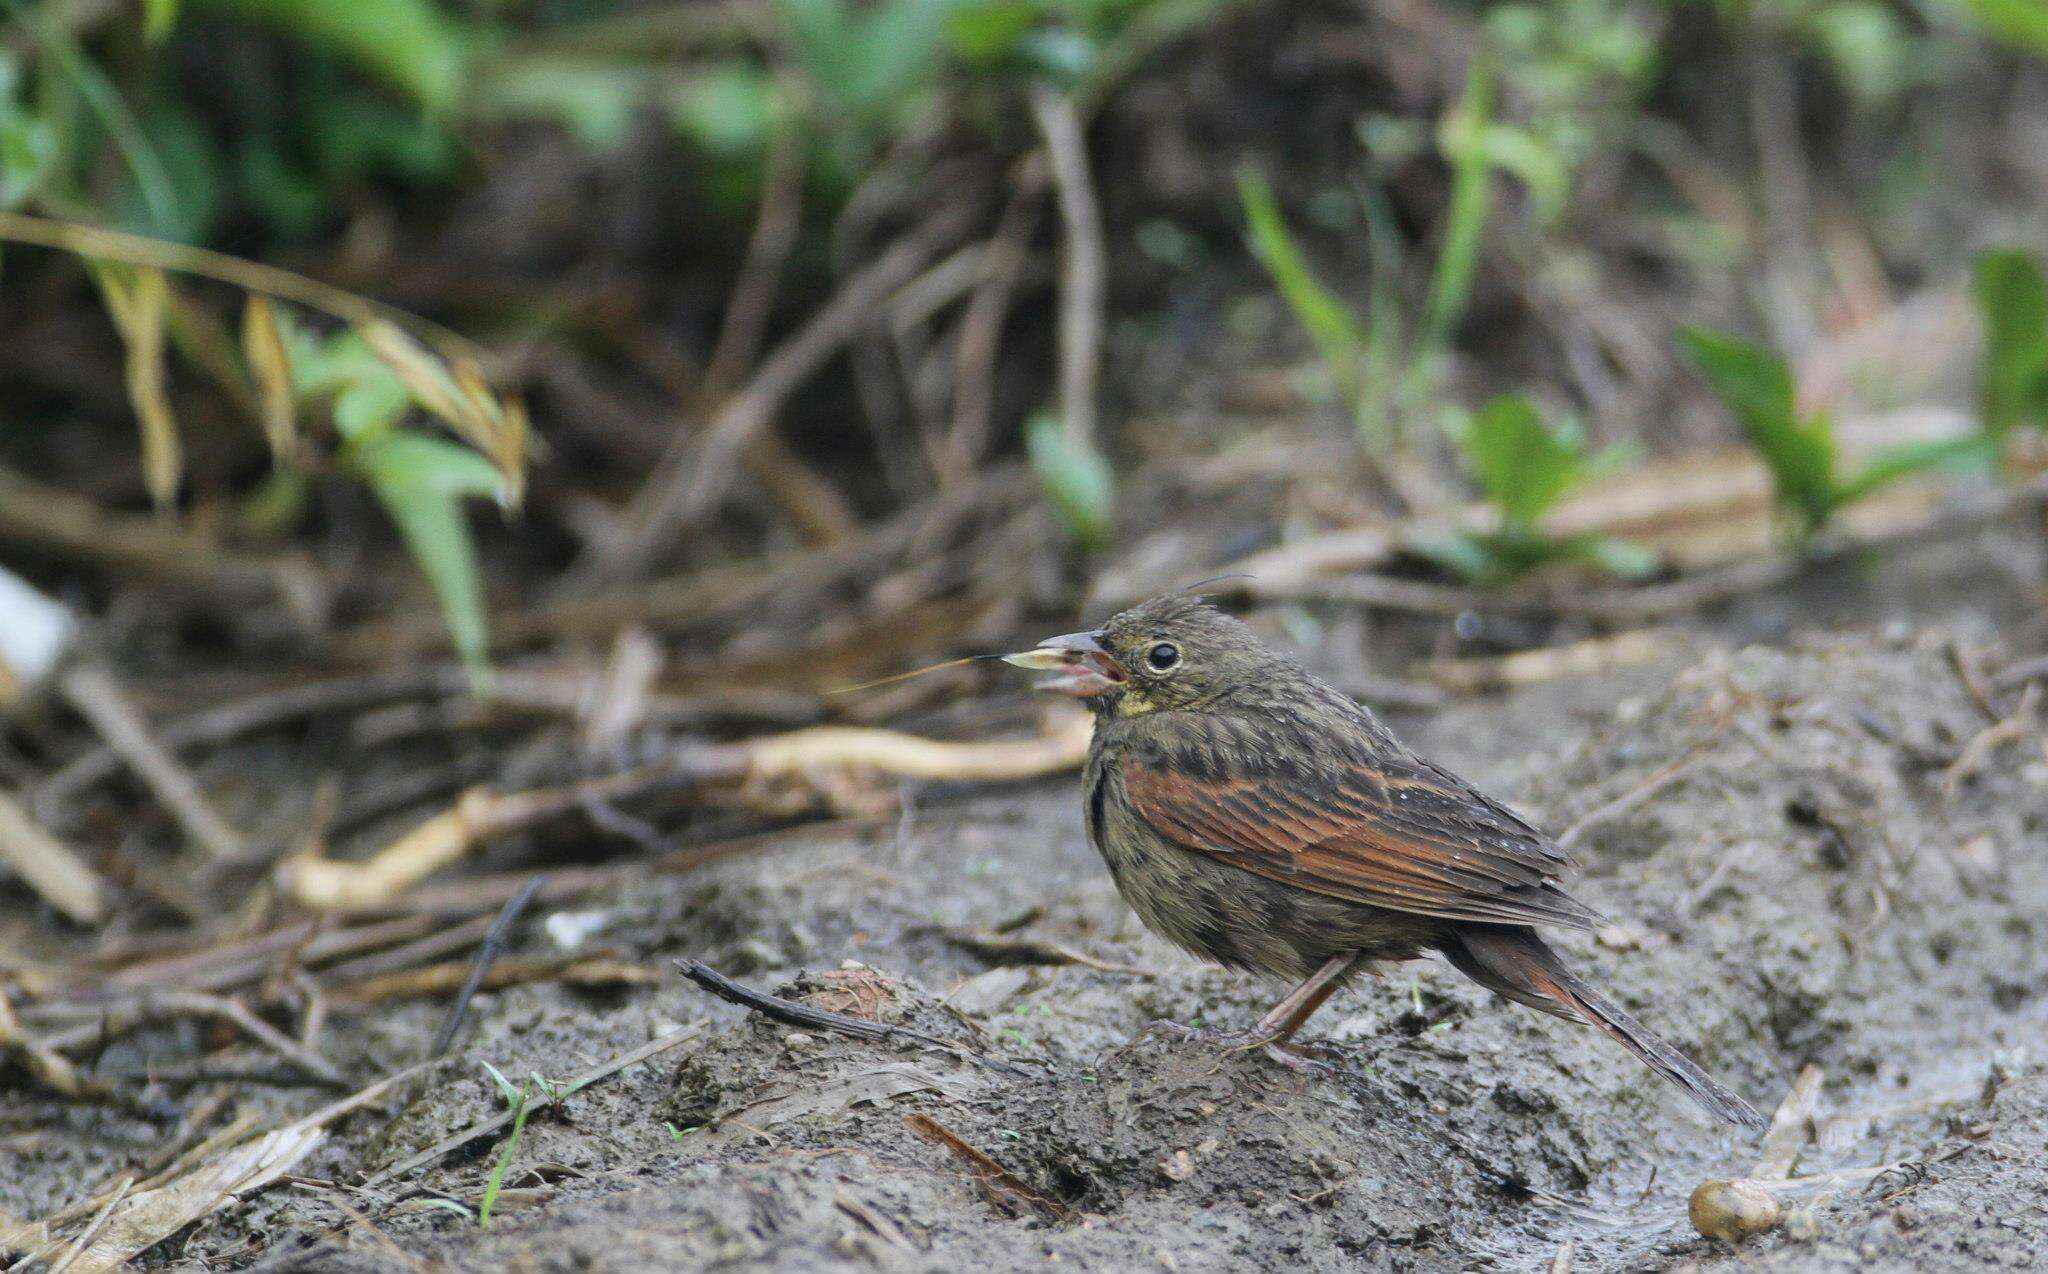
<point>1162,656</point>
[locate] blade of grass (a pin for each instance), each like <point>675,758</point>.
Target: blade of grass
<point>2013,299</point>
<point>1337,334</point>
<point>421,482</point>
<point>151,177</point>
<point>1463,140</point>
<point>496,1181</point>
<point>1756,385</point>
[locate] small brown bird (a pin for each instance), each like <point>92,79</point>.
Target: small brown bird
<point>1263,819</point>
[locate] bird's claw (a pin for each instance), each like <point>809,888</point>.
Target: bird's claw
<point>1295,1057</point>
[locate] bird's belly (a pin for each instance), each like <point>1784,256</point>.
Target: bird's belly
<point>1235,917</point>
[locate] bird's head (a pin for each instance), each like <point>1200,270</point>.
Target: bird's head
<point>1173,652</point>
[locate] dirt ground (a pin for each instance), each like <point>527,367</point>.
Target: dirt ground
<point>1801,867</point>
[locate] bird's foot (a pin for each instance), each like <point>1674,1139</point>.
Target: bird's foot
<point>1295,1057</point>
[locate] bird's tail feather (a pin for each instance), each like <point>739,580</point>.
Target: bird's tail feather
<point>1516,963</point>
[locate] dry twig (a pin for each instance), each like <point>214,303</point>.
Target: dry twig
<point>52,1069</point>
<point>268,710</point>
<point>100,700</point>
<point>61,522</point>
<point>1986,742</point>
<point>162,1004</point>
<point>50,868</point>
<point>1084,263</point>
<point>1009,1192</point>
<point>981,327</point>
<point>862,1028</point>
<point>494,940</point>
<point>692,478</point>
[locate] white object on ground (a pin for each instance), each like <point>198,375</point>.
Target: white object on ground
<point>34,634</point>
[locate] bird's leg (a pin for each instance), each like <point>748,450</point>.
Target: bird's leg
<point>1274,1031</point>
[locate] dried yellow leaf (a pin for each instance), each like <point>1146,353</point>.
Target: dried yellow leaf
<point>424,376</point>
<point>147,298</point>
<point>271,367</point>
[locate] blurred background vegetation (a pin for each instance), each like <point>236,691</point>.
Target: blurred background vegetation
<point>1017,305</point>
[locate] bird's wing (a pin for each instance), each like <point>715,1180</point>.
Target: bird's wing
<point>1376,826</point>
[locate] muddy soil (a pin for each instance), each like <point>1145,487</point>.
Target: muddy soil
<point>1796,872</point>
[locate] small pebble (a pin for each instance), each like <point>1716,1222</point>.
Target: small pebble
<point>1733,1210</point>
<point>797,1039</point>
<point>1178,1166</point>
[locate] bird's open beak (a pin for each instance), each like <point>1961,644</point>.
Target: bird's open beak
<point>1079,664</point>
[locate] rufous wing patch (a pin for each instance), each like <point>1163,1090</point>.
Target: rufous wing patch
<point>1433,851</point>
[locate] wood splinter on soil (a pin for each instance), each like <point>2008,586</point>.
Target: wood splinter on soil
<point>1005,1189</point>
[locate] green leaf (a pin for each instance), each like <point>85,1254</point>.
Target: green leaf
<point>1338,335</point>
<point>158,17</point>
<point>989,32</point>
<point>1077,482</point>
<point>729,110</point>
<point>1866,46</point>
<point>2020,23</point>
<point>1757,386</point>
<point>593,99</point>
<point>1906,459</point>
<point>421,481</point>
<point>369,406</point>
<point>2014,301</point>
<point>1492,558</point>
<point>1620,558</point>
<point>410,44</point>
<point>871,62</point>
<point>189,160</point>
<point>28,151</point>
<point>1523,465</point>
